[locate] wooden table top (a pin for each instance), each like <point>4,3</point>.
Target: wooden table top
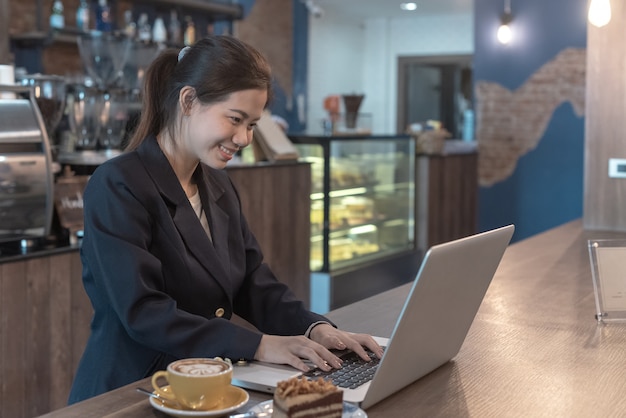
<point>535,348</point>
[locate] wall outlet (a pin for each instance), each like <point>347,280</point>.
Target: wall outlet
<point>617,167</point>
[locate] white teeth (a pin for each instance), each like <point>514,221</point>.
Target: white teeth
<point>226,150</point>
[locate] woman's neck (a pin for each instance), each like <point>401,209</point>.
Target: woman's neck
<point>181,163</point>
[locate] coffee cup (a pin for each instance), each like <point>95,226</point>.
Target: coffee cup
<point>195,383</point>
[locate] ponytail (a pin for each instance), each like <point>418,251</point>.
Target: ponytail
<point>155,107</point>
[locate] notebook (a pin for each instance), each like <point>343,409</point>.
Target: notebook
<point>433,323</point>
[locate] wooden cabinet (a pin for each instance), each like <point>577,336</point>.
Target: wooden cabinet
<point>44,324</point>
<point>45,313</point>
<point>447,197</point>
<point>275,199</point>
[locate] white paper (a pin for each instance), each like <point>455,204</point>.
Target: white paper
<point>612,277</point>
<point>7,77</point>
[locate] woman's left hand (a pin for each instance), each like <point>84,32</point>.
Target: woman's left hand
<point>333,338</point>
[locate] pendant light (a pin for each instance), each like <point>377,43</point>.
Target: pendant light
<point>599,12</point>
<point>505,34</point>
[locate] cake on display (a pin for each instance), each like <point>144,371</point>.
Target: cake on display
<point>299,397</point>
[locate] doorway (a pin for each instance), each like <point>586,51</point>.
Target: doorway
<point>434,88</point>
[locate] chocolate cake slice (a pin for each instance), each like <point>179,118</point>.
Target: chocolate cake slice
<point>302,398</point>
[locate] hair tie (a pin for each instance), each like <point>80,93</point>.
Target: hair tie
<point>182,52</point>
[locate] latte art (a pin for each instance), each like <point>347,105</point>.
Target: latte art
<point>200,369</point>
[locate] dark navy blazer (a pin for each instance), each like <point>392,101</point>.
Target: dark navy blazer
<point>160,289</point>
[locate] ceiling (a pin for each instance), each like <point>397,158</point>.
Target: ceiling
<point>365,9</point>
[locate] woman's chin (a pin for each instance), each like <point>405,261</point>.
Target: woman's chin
<point>218,164</point>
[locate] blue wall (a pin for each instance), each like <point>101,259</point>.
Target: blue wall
<point>546,188</point>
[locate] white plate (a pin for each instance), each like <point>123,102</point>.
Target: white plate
<point>235,398</point>
<point>349,410</point>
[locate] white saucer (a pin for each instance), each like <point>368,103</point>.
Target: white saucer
<point>349,410</point>
<point>235,398</point>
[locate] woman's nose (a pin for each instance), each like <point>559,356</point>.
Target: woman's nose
<point>243,137</point>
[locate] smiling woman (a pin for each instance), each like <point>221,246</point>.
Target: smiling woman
<point>168,256</point>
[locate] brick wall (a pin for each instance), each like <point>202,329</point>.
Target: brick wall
<point>511,123</point>
<point>269,28</point>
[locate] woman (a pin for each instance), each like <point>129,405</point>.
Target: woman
<point>167,255</point>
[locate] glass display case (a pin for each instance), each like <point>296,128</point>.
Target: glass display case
<point>362,200</point>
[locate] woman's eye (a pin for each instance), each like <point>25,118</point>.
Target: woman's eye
<point>251,126</point>
<point>235,119</point>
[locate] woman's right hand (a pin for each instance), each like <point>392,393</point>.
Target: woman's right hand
<point>293,350</point>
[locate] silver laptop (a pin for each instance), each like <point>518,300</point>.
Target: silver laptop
<point>432,325</point>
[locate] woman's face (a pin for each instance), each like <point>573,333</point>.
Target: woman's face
<point>213,133</point>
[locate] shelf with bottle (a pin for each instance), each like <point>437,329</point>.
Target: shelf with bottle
<point>62,33</point>
<point>226,11</point>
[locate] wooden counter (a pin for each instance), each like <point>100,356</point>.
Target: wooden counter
<point>45,313</point>
<point>534,349</point>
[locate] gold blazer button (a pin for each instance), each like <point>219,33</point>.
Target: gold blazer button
<point>219,312</point>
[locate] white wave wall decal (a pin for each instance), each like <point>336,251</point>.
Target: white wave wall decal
<point>509,123</point>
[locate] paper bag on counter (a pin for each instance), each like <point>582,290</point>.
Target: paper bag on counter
<point>271,143</point>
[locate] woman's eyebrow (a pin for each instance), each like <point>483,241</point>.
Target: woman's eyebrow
<point>244,115</point>
<point>241,112</point>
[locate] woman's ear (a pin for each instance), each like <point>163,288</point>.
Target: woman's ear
<point>186,97</point>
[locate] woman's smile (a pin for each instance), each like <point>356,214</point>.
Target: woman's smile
<point>225,152</point>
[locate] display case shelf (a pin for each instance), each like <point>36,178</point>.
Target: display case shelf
<point>363,215</point>
<point>363,200</point>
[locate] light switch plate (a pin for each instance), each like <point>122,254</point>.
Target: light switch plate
<point>617,167</point>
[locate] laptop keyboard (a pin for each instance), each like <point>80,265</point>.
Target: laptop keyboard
<point>354,372</point>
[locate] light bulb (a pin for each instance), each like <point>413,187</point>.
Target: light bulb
<point>599,12</point>
<point>504,34</point>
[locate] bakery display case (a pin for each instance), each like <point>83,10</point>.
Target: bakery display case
<point>362,200</point>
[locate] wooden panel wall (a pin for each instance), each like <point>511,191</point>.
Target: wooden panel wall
<point>605,124</point>
<point>44,324</point>
<point>447,198</point>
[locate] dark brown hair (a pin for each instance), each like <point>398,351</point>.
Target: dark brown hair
<point>214,67</point>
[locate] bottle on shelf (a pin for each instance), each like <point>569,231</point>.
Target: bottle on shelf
<point>190,32</point>
<point>174,28</point>
<point>104,18</point>
<point>468,125</point>
<point>159,33</point>
<point>57,20</point>
<point>144,30</point>
<point>130,27</point>
<point>82,16</point>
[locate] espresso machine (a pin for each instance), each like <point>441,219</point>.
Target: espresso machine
<point>26,175</point>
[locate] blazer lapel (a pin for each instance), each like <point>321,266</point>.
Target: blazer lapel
<point>187,223</point>
<point>217,217</point>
